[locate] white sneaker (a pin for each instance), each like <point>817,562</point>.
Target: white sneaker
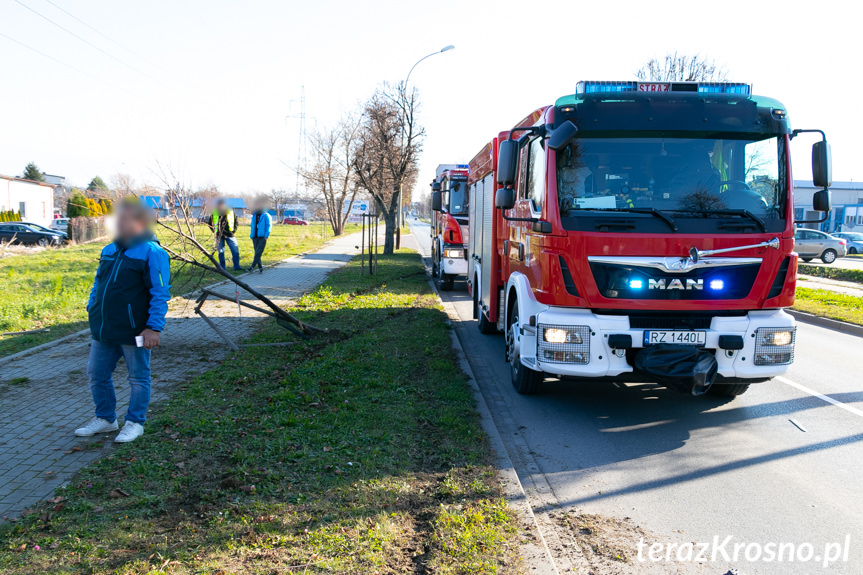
<point>96,425</point>
<point>130,432</point>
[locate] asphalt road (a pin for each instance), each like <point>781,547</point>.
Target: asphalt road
<point>781,464</point>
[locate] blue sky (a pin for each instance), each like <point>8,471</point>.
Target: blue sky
<point>206,86</point>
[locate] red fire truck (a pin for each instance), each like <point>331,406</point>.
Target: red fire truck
<point>449,229</point>
<point>641,232</point>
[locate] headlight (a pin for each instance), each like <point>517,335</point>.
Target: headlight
<point>557,335</point>
<point>563,344</point>
<point>774,346</point>
<point>776,338</point>
<point>452,253</point>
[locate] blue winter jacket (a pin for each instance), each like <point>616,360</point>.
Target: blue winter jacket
<point>261,225</point>
<point>131,291</point>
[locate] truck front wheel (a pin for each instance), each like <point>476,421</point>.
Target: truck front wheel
<point>525,380</point>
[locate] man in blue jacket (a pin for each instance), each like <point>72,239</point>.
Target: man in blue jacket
<point>261,225</point>
<point>127,310</point>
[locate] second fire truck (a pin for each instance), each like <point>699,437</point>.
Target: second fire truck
<point>449,227</point>
<point>641,231</point>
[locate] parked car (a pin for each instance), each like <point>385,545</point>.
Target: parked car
<point>25,233</point>
<point>60,225</point>
<point>811,244</point>
<point>854,239</point>
<point>294,221</point>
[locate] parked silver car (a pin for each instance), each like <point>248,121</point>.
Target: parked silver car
<point>60,225</point>
<point>811,244</point>
<point>854,239</point>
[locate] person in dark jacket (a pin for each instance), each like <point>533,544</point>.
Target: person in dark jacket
<point>224,225</point>
<point>127,310</point>
<point>261,225</point>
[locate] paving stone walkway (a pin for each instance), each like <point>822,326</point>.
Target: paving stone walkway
<point>38,451</point>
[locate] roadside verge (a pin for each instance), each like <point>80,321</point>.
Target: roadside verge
<point>360,451</point>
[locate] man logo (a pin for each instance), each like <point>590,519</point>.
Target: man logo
<point>675,284</point>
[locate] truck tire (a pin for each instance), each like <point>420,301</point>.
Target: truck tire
<point>525,380</point>
<point>728,389</point>
<point>829,256</point>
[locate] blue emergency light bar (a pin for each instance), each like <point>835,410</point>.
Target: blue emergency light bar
<point>662,87</point>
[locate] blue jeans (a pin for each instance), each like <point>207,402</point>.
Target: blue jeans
<point>235,251</point>
<point>100,370</point>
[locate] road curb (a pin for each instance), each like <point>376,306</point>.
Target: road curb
<point>539,556</point>
<point>834,324</point>
<point>42,346</point>
<point>513,489</point>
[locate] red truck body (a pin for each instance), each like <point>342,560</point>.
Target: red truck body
<point>583,274</point>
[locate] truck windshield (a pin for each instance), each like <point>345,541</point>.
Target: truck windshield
<point>458,198</point>
<point>706,177</point>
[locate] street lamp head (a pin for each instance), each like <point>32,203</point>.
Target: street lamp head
<point>448,48</point>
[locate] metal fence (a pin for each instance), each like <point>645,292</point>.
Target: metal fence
<point>82,230</point>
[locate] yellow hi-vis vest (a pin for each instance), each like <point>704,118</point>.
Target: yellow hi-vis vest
<point>229,215</point>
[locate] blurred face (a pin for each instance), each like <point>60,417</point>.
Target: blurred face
<point>223,209</point>
<point>131,222</point>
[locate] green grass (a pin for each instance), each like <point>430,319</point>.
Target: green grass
<point>840,274</point>
<point>50,288</point>
<point>830,304</point>
<point>356,452</point>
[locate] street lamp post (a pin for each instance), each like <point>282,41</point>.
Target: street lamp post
<point>401,218</point>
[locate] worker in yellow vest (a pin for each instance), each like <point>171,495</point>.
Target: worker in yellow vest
<point>224,226</point>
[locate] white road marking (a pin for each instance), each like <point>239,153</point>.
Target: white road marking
<point>797,425</point>
<point>821,396</point>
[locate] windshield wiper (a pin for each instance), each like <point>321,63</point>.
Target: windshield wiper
<point>743,213</point>
<point>652,211</point>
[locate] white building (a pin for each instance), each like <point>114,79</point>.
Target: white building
<point>33,200</point>
<point>847,213</point>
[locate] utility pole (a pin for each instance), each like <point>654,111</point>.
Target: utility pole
<point>301,144</point>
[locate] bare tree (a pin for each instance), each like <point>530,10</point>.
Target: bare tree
<point>332,178</point>
<point>122,184</point>
<point>388,149</point>
<point>676,67</point>
<point>278,198</point>
<point>191,244</point>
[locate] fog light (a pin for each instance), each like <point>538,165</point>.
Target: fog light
<point>557,335</point>
<point>564,356</point>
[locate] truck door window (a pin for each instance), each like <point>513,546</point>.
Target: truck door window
<point>536,173</point>
<point>524,152</point>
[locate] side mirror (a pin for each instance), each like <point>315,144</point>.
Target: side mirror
<point>562,136</point>
<point>821,201</point>
<point>822,165</point>
<point>435,186</point>
<point>507,160</point>
<point>436,201</point>
<point>504,198</point>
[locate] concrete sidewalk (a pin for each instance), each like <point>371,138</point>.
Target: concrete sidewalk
<point>38,451</point>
